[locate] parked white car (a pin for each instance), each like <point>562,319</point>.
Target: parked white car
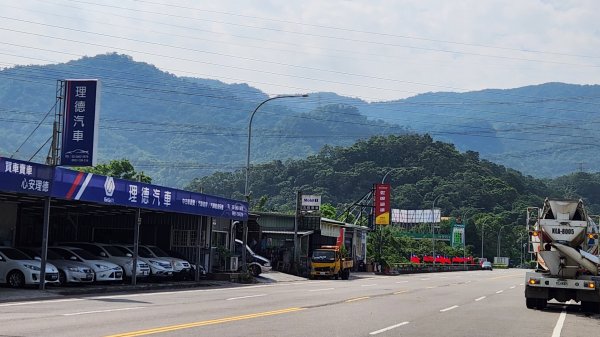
<point>114,255</point>
<point>182,268</point>
<point>158,267</point>
<point>69,271</point>
<point>104,271</point>
<point>17,269</point>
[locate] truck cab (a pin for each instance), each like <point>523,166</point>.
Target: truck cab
<point>328,261</point>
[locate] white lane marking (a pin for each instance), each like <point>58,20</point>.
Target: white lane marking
<point>432,287</point>
<point>388,328</point>
<point>101,311</point>
<point>324,289</point>
<point>424,279</point>
<point>449,308</point>
<point>560,322</point>
<point>369,285</point>
<point>479,299</point>
<point>243,297</point>
<point>513,287</point>
<point>499,291</point>
<point>402,282</point>
<point>443,277</point>
<point>183,292</point>
<point>521,284</point>
<point>468,281</point>
<point>14,304</point>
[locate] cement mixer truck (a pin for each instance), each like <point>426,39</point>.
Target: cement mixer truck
<point>564,240</point>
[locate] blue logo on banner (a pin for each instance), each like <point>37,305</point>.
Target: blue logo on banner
<point>80,123</point>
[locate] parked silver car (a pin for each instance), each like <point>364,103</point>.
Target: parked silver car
<point>114,255</point>
<point>181,267</point>
<point>69,271</point>
<point>17,269</point>
<point>158,267</point>
<point>104,271</point>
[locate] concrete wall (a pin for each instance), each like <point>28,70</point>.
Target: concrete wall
<point>8,223</point>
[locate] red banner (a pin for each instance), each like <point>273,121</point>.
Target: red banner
<point>381,202</point>
<point>340,239</point>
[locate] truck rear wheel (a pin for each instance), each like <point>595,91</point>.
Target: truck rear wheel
<point>530,303</point>
<point>345,274</point>
<point>541,303</point>
<point>592,307</point>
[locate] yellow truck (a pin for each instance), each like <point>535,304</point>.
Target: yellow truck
<point>328,261</point>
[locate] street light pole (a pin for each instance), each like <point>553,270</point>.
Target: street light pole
<point>433,226</point>
<point>499,231</point>
<point>246,192</point>
<point>482,228</point>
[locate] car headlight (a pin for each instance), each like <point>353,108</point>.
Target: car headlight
<point>32,267</point>
<point>102,267</point>
<point>77,269</point>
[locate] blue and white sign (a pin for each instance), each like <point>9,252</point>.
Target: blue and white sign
<point>80,123</point>
<point>25,177</point>
<point>74,185</point>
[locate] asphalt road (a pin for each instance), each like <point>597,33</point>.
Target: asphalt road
<point>476,303</point>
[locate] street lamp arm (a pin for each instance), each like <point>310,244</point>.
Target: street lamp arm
<point>246,194</point>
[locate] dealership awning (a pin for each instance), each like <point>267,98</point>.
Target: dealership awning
<point>301,233</point>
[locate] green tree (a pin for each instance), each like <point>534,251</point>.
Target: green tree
<point>328,211</point>
<point>121,168</point>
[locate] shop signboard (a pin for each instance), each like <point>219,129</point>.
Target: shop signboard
<point>25,177</point>
<point>80,123</point>
<point>381,203</point>
<point>74,185</point>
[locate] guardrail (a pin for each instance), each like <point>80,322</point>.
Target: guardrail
<point>413,268</point>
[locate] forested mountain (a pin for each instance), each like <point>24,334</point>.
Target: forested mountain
<point>419,170</point>
<point>173,128</point>
<point>179,128</point>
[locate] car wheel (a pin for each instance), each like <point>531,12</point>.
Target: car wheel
<point>62,278</point>
<point>255,270</point>
<point>16,279</point>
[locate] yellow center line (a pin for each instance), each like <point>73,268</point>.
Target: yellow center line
<point>204,323</point>
<point>357,299</point>
<point>400,292</point>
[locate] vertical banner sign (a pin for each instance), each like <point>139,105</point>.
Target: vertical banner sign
<point>458,236</point>
<point>340,239</point>
<point>80,123</point>
<point>381,203</point>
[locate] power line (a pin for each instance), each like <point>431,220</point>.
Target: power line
<point>370,32</point>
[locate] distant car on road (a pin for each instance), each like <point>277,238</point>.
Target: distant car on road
<point>486,265</point>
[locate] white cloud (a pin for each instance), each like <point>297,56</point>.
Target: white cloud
<point>376,50</point>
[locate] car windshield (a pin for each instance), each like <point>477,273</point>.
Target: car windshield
<point>323,255</point>
<point>116,251</point>
<point>84,254</point>
<point>143,252</point>
<point>14,254</point>
<point>158,252</point>
<point>36,253</point>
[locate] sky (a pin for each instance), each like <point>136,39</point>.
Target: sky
<point>376,50</point>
